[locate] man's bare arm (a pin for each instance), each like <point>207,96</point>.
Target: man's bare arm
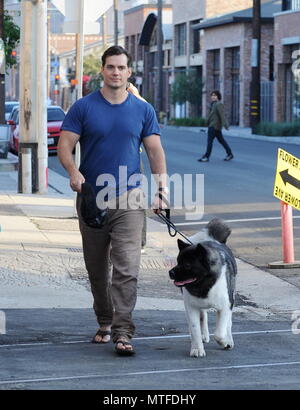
<point>66,145</point>
<point>158,165</point>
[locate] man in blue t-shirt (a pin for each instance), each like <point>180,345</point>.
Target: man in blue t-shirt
<point>110,126</point>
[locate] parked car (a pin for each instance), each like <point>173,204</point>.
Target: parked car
<point>4,140</point>
<point>55,117</point>
<point>9,105</point>
<point>12,123</point>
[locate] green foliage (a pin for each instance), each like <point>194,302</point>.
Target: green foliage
<point>95,83</point>
<point>195,86</point>
<point>188,122</point>
<point>91,65</point>
<point>278,129</point>
<point>179,89</point>
<point>11,39</point>
<point>187,87</point>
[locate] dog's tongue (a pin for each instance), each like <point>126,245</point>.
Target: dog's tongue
<point>185,282</point>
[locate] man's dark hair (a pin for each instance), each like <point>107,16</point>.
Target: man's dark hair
<point>217,93</point>
<point>116,51</point>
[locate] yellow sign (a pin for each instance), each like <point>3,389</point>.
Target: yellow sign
<point>287,180</point>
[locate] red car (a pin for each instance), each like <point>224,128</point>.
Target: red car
<point>55,117</point>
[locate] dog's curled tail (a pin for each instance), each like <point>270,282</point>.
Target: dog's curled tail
<point>218,230</point>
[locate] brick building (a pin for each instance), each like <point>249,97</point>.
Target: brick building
<point>188,48</point>
<point>227,61</point>
<point>141,42</point>
<point>182,44</point>
<point>287,62</point>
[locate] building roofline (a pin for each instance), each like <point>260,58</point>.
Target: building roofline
<point>146,6</point>
<point>268,9</point>
<point>229,20</point>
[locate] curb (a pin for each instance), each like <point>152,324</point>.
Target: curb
<point>241,133</point>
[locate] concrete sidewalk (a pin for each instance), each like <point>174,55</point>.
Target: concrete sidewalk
<point>42,262</point>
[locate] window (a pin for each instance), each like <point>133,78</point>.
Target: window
<point>139,48</point>
<point>132,47</point>
<point>216,69</point>
<point>195,38</point>
<point>290,5</point>
<point>235,58</point>
<point>180,39</point>
<point>235,86</point>
<point>126,43</point>
<point>271,63</point>
<point>167,58</point>
<point>55,114</point>
<point>292,91</point>
<point>9,106</point>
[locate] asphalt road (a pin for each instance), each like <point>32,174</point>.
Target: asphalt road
<point>52,354</point>
<point>239,191</point>
<point>50,349</point>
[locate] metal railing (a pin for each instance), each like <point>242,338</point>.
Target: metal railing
<point>266,101</point>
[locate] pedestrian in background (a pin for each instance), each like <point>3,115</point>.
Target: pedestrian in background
<point>110,126</point>
<point>216,121</point>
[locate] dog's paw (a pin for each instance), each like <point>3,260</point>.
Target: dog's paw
<point>205,338</point>
<point>225,343</point>
<point>197,352</point>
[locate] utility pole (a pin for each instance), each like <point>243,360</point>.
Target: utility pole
<point>33,94</point>
<point>79,74</point>
<point>104,30</point>
<point>48,55</point>
<point>116,23</point>
<point>159,63</point>
<point>79,69</point>
<point>255,66</point>
<point>2,65</point>
<point>80,50</point>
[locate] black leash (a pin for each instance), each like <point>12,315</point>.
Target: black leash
<point>170,224</point>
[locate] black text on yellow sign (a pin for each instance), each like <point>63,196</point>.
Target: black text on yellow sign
<point>287,180</point>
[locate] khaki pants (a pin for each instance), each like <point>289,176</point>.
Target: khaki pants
<point>117,243</point>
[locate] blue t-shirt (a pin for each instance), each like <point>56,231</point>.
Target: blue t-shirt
<point>110,136</point>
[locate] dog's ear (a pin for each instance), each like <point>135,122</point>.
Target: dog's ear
<point>182,245</point>
<point>201,251</point>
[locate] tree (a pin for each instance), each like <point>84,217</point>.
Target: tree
<point>179,89</point>
<point>91,64</point>
<point>11,39</point>
<point>10,35</point>
<point>187,87</point>
<point>95,83</point>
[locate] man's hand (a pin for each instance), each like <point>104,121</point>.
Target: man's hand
<point>160,202</point>
<point>133,90</point>
<point>76,179</point>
